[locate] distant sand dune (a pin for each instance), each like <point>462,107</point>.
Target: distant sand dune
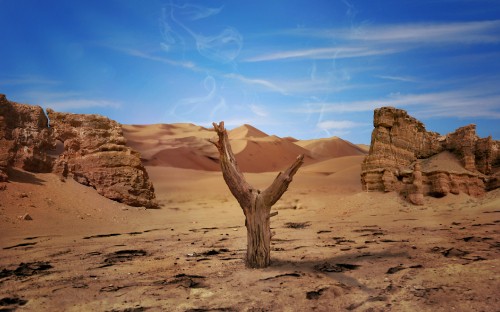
<point>330,147</point>
<point>186,146</point>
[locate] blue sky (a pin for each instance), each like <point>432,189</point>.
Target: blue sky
<point>306,69</point>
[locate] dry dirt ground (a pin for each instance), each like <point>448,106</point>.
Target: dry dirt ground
<point>335,249</point>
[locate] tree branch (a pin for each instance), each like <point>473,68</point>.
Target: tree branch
<point>279,186</point>
<point>235,180</point>
<point>272,214</point>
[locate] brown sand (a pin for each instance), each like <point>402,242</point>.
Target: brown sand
<point>336,248</point>
<point>331,147</point>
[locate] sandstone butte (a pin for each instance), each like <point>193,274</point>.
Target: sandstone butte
<point>91,149</point>
<point>406,158</point>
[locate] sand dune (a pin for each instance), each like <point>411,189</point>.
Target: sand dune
<point>266,154</point>
<point>173,145</point>
<point>335,165</point>
<point>364,147</point>
<point>330,147</point>
<point>443,161</point>
<point>245,132</point>
<point>187,146</point>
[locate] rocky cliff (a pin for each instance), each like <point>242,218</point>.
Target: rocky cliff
<point>95,154</point>
<point>24,138</point>
<point>406,158</point>
<point>90,149</point>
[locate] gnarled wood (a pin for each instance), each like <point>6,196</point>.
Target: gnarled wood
<point>256,205</point>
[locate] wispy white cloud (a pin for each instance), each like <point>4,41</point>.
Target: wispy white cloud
<point>147,56</point>
<point>370,40</point>
<point>195,12</point>
<point>28,80</point>
<point>339,124</point>
<point>75,104</point>
<point>259,110</point>
<point>256,81</point>
<point>339,127</point>
<point>338,52</point>
<point>422,33</point>
<point>68,100</point>
<point>398,78</point>
<point>177,31</point>
<point>470,103</point>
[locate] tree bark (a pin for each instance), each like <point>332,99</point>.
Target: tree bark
<point>256,205</point>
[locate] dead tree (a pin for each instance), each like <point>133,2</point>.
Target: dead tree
<point>256,204</point>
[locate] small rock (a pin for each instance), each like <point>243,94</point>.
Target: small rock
<point>26,217</point>
<point>23,195</point>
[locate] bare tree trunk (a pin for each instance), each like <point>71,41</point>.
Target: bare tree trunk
<point>256,205</point>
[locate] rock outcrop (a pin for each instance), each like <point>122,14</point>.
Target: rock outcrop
<point>95,154</point>
<point>24,138</point>
<point>416,190</point>
<point>89,148</point>
<point>406,158</point>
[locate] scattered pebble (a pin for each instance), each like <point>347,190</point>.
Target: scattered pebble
<point>25,217</point>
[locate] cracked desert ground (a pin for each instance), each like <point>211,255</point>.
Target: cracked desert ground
<point>336,248</point>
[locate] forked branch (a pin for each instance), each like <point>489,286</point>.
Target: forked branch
<point>279,186</point>
<point>230,170</point>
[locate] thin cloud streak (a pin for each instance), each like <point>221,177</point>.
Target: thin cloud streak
<point>384,39</point>
<point>460,104</point>
<point>397,78</point>
<point>254,81</point>
<point>322,53</point>
<point>339,124</point>
<point>422,33</point>
<point>259,110</point>
<point>144,55</point>
<point>28,80</point>
<point>464,32</point>
<point>69,101</point>
<point>73,104</point>
<point>188,65</point>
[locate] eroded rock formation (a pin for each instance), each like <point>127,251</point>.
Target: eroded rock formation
<point>24,138</point>
<point>406,158</point>
<point>95,154</point>
<point>89,148</point>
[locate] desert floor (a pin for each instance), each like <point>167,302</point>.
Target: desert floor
<point>336,248</point>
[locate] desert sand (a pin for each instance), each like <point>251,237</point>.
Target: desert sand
<point>336,247</point>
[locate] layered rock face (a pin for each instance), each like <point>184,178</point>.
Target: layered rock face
<point>24,138</point>
<point>95,154</point>
<point>406,158</point>
<point>89,148</point>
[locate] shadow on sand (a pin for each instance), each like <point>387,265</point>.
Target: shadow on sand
<point>334,267</point>
<point>21,176</point>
